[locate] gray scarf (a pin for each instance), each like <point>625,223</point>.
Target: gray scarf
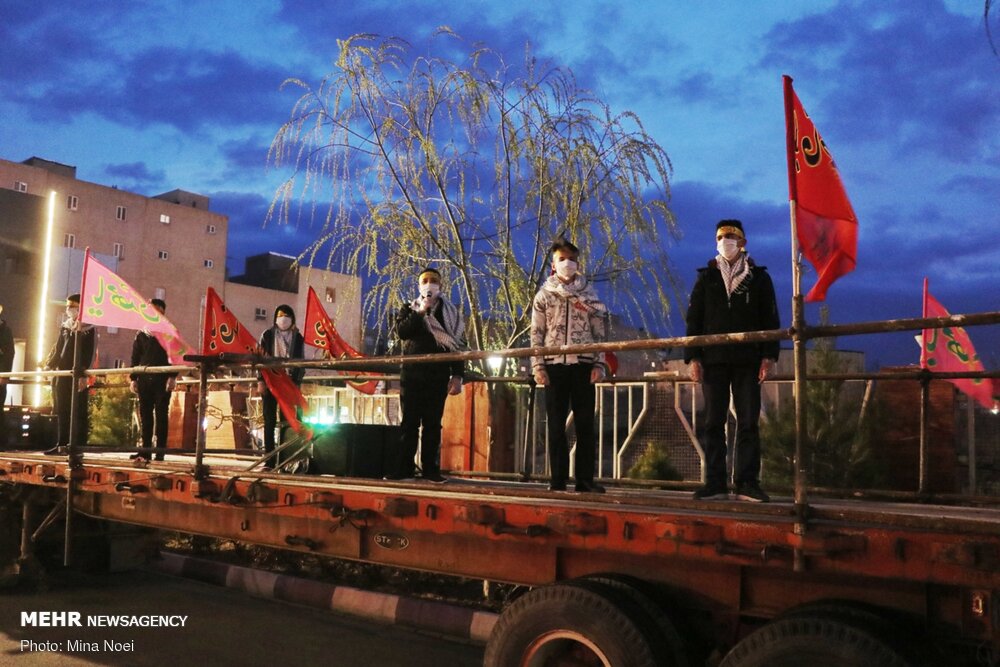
<point>450,336</point>
<point>733,274</point>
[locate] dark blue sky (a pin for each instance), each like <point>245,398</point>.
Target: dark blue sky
<point>154,96</point>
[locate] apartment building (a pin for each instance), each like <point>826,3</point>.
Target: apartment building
<point>169,246</point>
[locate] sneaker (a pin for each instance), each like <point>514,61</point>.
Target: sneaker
<point>589,487</point>
<point>136,456</point>
<point>751,492</point>
<point>434,478</point>
<point>710,492</point>
<point>557,486</point>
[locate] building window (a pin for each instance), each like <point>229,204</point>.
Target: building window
<point>162,254</point>
<point>72,202</point>
<point>164,218</point>
<point>113,330</point>
<point>331,295</point>
<point>159,293</point>
<point>210,229</point>
<point>120,213</point>
<point>119,250</point>
<point>20,186</point>
<point>119,363</point>
<point>260,313</point>
<point>69,240</point>
<point>209,263</point>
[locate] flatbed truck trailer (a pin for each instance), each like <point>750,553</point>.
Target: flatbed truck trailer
<point>632,577</point>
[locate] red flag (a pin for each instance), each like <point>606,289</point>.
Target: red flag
<point>825,224</point>
<point>320,332</point>
<point>949,350</point>
<point>224,333</point>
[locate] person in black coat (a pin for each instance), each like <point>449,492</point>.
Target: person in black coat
<point>282,341</point>
<point>429,324</point>
<point>6,364</point>
<point>153,390</point>
<point>60,358</point>
<point>732,294</point>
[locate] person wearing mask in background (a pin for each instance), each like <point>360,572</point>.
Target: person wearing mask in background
<point>60,358</point>
<point>282,341</point>
<point>6,364</point>
<point>567,311</point>
<point>153,390</point>
<point>429,324</point>
<point>732,294</point>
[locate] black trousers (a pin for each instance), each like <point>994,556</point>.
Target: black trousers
<point>154,406</point>
<point>570,388</point>
<point>62,396</point>
<point>422,395</point>
<point>4,435</point>
<point>272,411</point>
<point>741,381</point>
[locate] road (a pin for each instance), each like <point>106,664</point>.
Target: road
<point>220,627</point>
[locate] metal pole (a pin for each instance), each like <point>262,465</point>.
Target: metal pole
<point>970,425</point>
<point>925,383</point>
<point>199,456</point>
<point>72,450</point>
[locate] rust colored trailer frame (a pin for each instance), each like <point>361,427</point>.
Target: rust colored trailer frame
<point>731,560</point>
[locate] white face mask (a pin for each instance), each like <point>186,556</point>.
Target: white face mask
<point>284,323</point>
<point>430,290</point>
<point>72,313</point>
<point>728,248</point>
<point>565,268</point>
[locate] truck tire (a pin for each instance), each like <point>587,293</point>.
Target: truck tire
<point>673,647</point>
<point>585,622</point>
<point>816,641</point>
<point>904,635</point>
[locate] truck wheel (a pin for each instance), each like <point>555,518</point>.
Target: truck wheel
<point>673,647</point>
<point>581,624</point>
<point>902,634</point>
<point>816,641</point>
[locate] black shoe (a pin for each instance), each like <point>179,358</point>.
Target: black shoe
<point>589,487</point>
<point>557,486</point>
<point>434,478</point>
<point>136,456</point>
<point>710,492</point>
<point>58,450</point>
<point>751,492</point>
<point>159,457</point>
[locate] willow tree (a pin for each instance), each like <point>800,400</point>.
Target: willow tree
<point>473,166</point>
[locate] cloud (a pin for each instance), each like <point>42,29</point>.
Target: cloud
<point>136,175</point>
<point>914,74</point>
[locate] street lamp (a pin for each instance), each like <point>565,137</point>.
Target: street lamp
<point>495,363</point>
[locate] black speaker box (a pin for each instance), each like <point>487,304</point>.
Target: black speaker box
<point>26,429</point>
<point>356,450</point>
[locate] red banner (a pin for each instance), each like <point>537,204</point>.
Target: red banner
<point>825,223</point>
<point>320,332</point>
<point>949,350</point>
<point>224,333</point>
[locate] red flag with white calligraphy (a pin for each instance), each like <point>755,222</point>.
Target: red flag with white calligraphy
<point>320,332</point>
<point>224,333</point>
<point>108,301</point>
<point>825,223</point>
<point>949,350</point>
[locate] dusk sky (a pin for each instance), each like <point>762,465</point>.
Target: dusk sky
<point>153,96</point>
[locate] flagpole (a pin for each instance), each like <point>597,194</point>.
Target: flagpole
<point>74,431</point>
<point>925,394</point>
<point>798,327</point>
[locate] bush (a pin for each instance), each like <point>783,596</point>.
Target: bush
<point>654,464</point>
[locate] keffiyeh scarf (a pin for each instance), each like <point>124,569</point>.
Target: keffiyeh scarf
<point>735,273</point>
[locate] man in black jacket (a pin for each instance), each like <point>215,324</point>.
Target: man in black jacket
<point>61,359</point>
<point>429,324</point>
<point>153,390</point>
<point>731,295</point>
<point>282,341</point>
